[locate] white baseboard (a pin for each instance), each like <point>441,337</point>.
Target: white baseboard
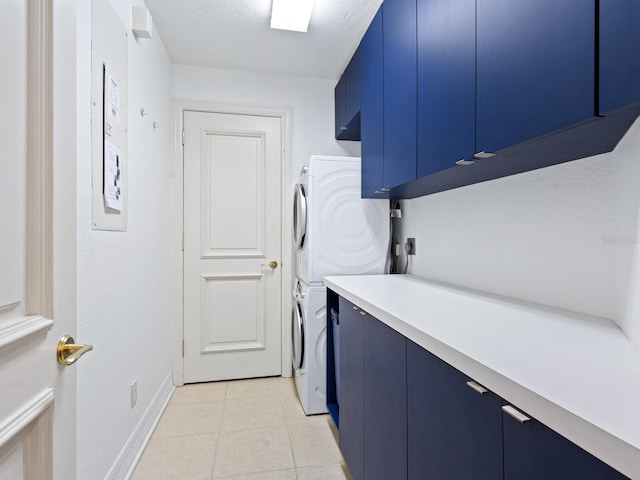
<point>130,454</point>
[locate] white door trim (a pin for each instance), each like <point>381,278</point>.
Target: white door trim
<point>177,222</point>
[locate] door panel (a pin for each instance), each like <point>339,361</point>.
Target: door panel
<point>400,92</point>
<point>232,216</point>
<point>232,311</point>
<point>619,53</point>
<point>352,388</point>
<point>13,131</point>
<point>372,106</point>
<point>385,401</point>
<point>446,83</point>
<point>535,69</point>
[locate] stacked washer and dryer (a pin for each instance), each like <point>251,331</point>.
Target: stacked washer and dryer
<point>335,233</point>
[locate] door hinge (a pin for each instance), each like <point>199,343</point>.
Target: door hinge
<point>182,137</point>
<point>183,348</point>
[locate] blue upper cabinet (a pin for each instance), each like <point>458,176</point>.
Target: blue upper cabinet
<point>372,112</point>
<point>446,83</point>
<point>400,91</point>
<point>347,101</point>
<point>619,53</point>
<point>535,68</point>
<point>340,105</point>
<point>354,84</point>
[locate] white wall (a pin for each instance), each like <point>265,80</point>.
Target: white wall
<point>123,278</point>
<point>562,236</point>
<point>311,101</point>
<point>626,233</point>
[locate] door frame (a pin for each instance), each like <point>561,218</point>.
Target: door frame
<point>177,221</point>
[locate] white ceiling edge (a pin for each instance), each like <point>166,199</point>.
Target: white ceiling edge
<point>235,35</point>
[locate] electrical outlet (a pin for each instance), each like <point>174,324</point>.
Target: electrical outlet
<point>134,393</point>
<point>412,246</point>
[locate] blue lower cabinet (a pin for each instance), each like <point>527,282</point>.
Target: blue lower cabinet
<point>454,429</point>
<point>407,414</point>
<point>533,451</point>
<point>352,388</point>
<point>385,402</point>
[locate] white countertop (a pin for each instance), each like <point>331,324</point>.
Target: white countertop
<point>575,373</point>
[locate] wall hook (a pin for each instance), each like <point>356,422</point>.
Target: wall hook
<point>155,125</point>
<point>143,112</point>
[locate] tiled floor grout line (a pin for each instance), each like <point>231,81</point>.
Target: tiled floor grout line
<point>280,410</point>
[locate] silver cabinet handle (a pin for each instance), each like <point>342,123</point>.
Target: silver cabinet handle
<point>465,162</point>
<point>477,387</point>
<point>515,413</point>
<point>357,309</point>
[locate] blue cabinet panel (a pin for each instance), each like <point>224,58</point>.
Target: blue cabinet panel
<point>385,402</point>
<point>446,83</point>
<point>532,451</point>
<point>455,433</point>
<point>352,388</point>
<point>535,68</point>
<point>340,105</point>
<point>354,82</point>
<point>619,53</point>
<point>372,112</point>
<point>347,101</point>
<point>400,91</point>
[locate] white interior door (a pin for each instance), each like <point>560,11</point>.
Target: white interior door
<point>232,230</point>
<point>37,441</point>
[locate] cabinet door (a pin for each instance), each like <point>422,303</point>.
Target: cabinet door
<point>619,53</point>
<point>385,397</point>
<point>535,68</point>
<point>532,451</point>
<point>354,82</point>
<point>340,106</point>
<point>455,433</point>
<point>371,110</point>
<point>400,91</point>
<point>352,388</point>
<point>446,83</point>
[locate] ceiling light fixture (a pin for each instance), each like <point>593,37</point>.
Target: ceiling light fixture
<point>291,14</point>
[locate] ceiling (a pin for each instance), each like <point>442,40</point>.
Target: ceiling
<point>236,34</point>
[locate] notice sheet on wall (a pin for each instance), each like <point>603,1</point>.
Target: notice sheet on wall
<point>112,176</point>
<point>113,99</point>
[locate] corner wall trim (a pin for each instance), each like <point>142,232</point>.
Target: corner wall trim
<point>135,445</point>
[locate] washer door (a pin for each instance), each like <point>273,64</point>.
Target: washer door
<point>299,216</point>
<point>297,335</point>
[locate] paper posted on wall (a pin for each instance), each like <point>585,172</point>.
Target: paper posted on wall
<point>112,176</point>
<point>113,99</point>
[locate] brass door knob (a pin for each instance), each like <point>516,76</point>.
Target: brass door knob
<point>272,265</point>
<point>68,352</point>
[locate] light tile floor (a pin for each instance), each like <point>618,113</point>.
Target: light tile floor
<point>245,430</point>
